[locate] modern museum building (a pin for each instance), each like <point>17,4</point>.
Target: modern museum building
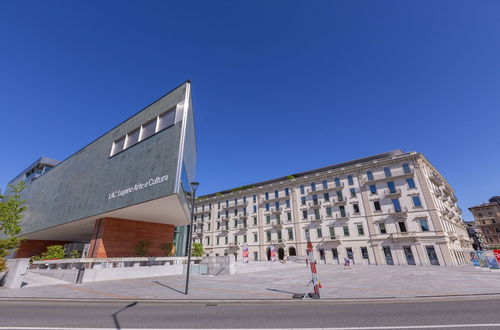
<point>128,186</point>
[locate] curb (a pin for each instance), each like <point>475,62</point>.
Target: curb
<point>215,302</point>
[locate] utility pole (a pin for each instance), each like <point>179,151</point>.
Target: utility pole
<point>194,186</point>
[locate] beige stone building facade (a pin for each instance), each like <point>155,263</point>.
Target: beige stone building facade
<point>487,221</point>
<point>393,208</point>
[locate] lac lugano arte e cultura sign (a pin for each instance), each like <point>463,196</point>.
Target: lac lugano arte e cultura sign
<point>138,186</point>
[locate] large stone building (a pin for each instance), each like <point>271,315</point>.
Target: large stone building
<point>391,208</point>
<point>487,221</point>
<point>128,186</point>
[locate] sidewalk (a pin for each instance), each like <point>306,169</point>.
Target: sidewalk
<point>360,282</point>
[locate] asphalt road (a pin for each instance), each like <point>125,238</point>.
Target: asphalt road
<point>372,315</point>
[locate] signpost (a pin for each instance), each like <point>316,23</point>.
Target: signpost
<point>314,284</point>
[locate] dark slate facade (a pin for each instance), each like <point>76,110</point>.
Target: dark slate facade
<point>88,182</point>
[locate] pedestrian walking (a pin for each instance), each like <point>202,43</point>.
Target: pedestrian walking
<point>347,263</point>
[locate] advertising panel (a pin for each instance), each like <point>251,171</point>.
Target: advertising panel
<point>482,259</point>
<point>491,260</point>
<point>497,255</point>
<point>273,252</point>
<point>474,259</point>
<point>245,253</point>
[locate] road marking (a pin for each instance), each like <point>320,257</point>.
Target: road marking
<point>437,326</point>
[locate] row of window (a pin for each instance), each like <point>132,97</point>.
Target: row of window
<point>146,130</point>
<point>313,185</point>
<point>388,172</point>
<point>424,227</point>
<point>329,212</point>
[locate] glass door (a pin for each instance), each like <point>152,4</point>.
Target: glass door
<point>410,260</point>
<point>388,255</point>
<point>431,253</point>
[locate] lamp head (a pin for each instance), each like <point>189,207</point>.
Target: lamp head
<point>194,185</point>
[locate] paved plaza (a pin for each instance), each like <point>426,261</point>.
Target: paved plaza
<point>360,282</point>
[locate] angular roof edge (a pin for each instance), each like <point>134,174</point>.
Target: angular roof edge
<point>100,136</point>
<point>41,160</point>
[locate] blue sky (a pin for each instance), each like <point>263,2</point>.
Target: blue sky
<point>279,86</point>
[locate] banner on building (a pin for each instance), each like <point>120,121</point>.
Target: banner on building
<point>482,259</point>
<point>497,255</point>
<point>474,259</point>
<point>273,252</point>
<point>491,260</point>
<point>245,253</point>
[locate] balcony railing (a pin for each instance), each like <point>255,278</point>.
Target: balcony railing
<point>276,210</point>
<point>272,198</point>
<point>391,194</point>
<point>314,218</point>
<point>403,235</point>
<point>333,239</point>
<point>344,216</point>
<point>279,242</point>
<point>199,211</point>
<point>318,190</point>
<point>399,214</point>
<point>234,245</point>
<point>232,205</point>
<point>277,224</point>
<point>315,205</point>
<point>436,180</point>
<point>395,173</point>
<point>452,235</point>
<point>340,201</point>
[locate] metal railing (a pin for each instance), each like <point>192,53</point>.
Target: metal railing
<point>89,263</point>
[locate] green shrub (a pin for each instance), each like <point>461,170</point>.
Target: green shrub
<point>74,254</point>
<point>141,248</point>
<point>197,250</point>
<point>53,252</point>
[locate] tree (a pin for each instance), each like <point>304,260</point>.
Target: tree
<point>198,250</point>
<point>142,248</point>
<point>11,213</point>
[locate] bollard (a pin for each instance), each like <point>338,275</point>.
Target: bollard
<point>79,276</point>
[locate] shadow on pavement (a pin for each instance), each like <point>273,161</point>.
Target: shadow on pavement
<point>115,314</point>
<point>169,287</point>
<point>276,290</point>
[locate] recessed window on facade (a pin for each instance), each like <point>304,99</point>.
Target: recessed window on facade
<point>144,131</point>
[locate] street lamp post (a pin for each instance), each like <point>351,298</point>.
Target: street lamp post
<point>194,186</point>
